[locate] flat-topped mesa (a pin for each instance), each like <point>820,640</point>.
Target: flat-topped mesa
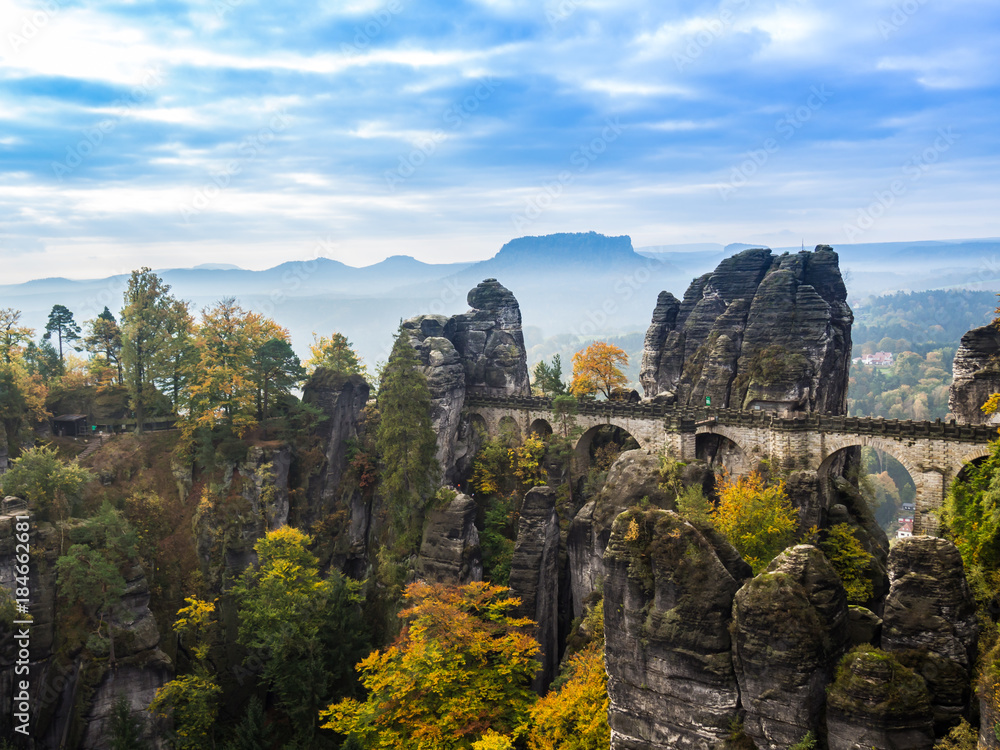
<point>478,352</point>
<point>760,332</point>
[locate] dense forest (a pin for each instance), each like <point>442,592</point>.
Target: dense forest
<point>201,486</point>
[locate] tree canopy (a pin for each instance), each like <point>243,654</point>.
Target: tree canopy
<point>596,369</point>
<point>461,667</point>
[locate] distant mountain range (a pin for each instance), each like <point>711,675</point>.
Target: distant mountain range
<point>570,286</point>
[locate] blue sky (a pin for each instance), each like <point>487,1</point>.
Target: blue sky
<point>246,132</point>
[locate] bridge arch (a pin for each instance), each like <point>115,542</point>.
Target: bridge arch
<point>509,429</point>
<point>970,458</point>
<point>724,446</point>
<point>928,486</point>
<point>582,457</point>
<point>540,427</point>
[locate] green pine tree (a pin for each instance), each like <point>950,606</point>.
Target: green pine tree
<point>405,438</point>
<point>61,324</point>
<point>126,730</point>
<point>253,732</point>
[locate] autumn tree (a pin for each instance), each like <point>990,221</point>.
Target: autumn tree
<point>334,353</point>
<point>177,358</point>
<point>223,389</point>
<point>549,377</point>
<point>42,360</point>
<point>12,334</point>
<point>191,700</point>
<point>145,320</point>
<point>404,437</point>
<point>62,326</point>
<point>461,667</point>
<point>756,517</point>
<point>104,341</point>
<point>306,628</point>
<point>22,404</point>
<point>276,369</point>
<point>596,370</point>
<point>574,715</point>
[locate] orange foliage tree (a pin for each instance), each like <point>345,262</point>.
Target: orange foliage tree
<point>757,518</point>
<point>575,716</point>
<point>461,666</point>
<point>596,370</point>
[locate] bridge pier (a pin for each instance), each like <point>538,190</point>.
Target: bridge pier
<point>930,497</point>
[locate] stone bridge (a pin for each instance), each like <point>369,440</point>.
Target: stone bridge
<point>934,453</point>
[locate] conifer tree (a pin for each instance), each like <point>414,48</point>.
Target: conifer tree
<point>61,324</point>
<point>405,439</point>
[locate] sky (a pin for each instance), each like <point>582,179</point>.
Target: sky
<point>171,134</point>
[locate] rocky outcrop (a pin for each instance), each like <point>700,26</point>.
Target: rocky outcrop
<point>790,629</point>
<point>449,552</point>
<point>976,376</point>
<point>340,399</point>
<point>930,621</point>
<point>251,500</point>
<point>764,331</point>
<point>876,702</point>
<point>668,595</point>
<point>478,352</point>
<point>633,476</point>
<point>71,698</point>
<point>534,576</point>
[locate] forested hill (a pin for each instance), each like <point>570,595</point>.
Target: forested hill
<point>938,316</point>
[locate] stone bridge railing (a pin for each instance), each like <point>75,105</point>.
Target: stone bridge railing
<point>688,417</point>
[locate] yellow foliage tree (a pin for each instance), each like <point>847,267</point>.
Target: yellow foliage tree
<point>461,667</point>
<point>757,518</point>
<point>334,353</point>
<point>575,717</point>
<point>596,370</point>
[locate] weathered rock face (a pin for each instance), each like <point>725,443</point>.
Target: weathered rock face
<point>534,576</point>
<point>930,621</point>
<point>253,500</point>
<point>449,552</point>
<point>790,628</point>
<point>479,352</point>
<point>760,330</point>
<point>57,681</point>
<point>668,595</point>
<point>341,400</point>
<point>634,475</point>
<point>976,375</point>
<point>878,702</point>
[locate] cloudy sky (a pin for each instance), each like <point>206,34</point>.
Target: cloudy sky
<point>248,132</point>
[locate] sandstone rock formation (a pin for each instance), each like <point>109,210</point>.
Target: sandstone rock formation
<point>878,702</point>
<point>449,552</point>
<point>340,399</point>
<point>790,629</point>
<point>976,375</point>
<point>930,621</point>
<point>633,476</point>
<point>479,352</point>
<point>534,576</point>
<point>668,595</point>
<point>760,331</point>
